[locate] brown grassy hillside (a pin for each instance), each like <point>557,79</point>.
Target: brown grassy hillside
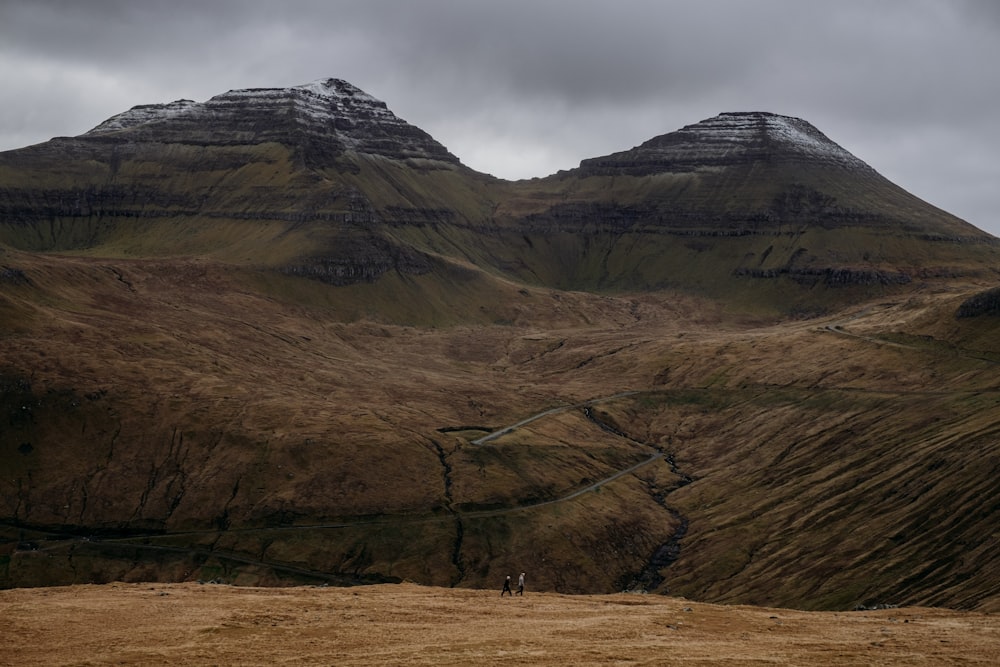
<point>413,625</point>
<point>182,420</point>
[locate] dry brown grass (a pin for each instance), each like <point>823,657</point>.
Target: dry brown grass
<point>191,624</point>
<point>243,413</point>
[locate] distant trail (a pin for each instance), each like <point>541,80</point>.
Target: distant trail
<point>575,494</point>
<point>507,429</point>
<point>839,329</point>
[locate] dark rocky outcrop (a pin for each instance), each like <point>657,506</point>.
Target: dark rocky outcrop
<point>982,304</point>
<point>13,276</point>
<point>830,277</point>
<point>361,260</point>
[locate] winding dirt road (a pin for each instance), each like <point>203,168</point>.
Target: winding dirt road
<point>585,404</point>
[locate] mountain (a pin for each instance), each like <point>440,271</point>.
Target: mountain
<point>749,205</point>
<point>335,186</point>
<point>728,140</point>
<point>302,116</point>
<point>284,336</point>
<point>308,180</point>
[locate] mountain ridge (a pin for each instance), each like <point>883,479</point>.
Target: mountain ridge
<point>351,192</point>
<point>331,109</point>
<point>725,139</point>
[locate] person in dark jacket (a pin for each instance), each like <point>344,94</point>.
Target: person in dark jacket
<point>506,587</point>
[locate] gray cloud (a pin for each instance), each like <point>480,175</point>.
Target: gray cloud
<point>523,88</point>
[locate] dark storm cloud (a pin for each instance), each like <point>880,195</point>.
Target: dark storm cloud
<point>523,88</point>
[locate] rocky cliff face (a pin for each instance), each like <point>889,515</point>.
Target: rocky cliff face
<point>727,140</point>
<point>324,118</point>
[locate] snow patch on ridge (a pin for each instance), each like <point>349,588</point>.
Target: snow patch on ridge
<point>322,101</point>
<point>334,102</point>
<point>725,140</point>
<point>747,129</point>
<point>142,114</point>
<point>331,108</point>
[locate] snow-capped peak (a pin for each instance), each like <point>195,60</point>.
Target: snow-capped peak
<point>338,88</point>
<point>142,114</point>
<point>727,139</point>
<point>328,110</point>
<point>754,128</point>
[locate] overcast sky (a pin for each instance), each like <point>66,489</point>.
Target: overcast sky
<point>522,88</point>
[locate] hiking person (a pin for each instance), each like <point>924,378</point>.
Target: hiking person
<point>520,585</point>
<point>506,587</point>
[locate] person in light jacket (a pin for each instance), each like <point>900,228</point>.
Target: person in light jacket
<point>520,585</point>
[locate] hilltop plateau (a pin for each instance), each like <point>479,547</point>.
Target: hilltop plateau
<point>192,624</point>
<point>284,337</point>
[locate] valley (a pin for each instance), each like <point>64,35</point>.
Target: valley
<point>496,449</point>
<point>283,338</point>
